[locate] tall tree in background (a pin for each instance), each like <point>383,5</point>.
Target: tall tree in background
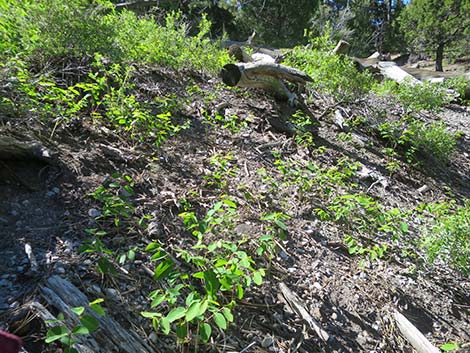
<point>435,24</point>
<point>369,25</point>
<point>276,22</point>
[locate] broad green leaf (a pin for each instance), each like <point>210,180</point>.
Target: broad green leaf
<point>193,310</point>
<point>403,227</point>
<point>212,283</point>
<point>228,314</point>
<point>205,332</point>
<point>150,314</point>
<point>220,321</point>
<point>240,292</point>
<point>203,307</point>
<point>56,333</point>
<point>80,330</point>
<point>181,330</point>
<point>257,278</point>
<point>157,300</point>
<point>68,341</point>
<point>90,322</point>
<point>97,309</point>
<point>199,275</point>
<point>78,310</point>
<point>449,347</point>
<point>61,317</point>
<point>97,301</point>
<point>176,313</point>
<point>165,325</point>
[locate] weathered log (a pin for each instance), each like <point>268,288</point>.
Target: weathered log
<point>392,71</point>
<point>413,335</point>
<point>264,75</point>
<point>299,308</point>
<point>14,148</point>
<point>111,337</point>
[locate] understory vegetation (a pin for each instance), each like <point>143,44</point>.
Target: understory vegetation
<point>69,66</point>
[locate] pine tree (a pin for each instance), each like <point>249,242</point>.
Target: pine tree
<point>435,24</point>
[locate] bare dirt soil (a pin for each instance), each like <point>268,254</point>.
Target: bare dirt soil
<point>44,203</point>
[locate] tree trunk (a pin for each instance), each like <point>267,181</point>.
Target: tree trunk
<point>439,57</point>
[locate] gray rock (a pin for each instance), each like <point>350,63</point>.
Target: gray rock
<point>267,341</point>
<point>93,212</point>
<point>112,293</point>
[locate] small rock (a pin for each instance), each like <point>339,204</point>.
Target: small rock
<point>14,305</point>
<point>19,269</point>
<point>60,270</point>
<point>93,212</point>
<point>87,262</point>
<point>112,293</point>
<point>317,286</point>
<point>334,316</point>
<point>267,341</point>
<point>153,338</point>
<point>291,269</point>
<point>283,255</point>
<point>56,190</point>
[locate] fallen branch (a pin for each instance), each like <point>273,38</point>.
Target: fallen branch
<point>299,308</point>
<point>413,335</point>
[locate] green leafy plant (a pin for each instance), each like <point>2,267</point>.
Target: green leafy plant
<point>446,234</point>
<point>333,74</point>
<point>223,169</point>
<point>219,273</point>
<point>449,347</point>
<point>88,324</point>
<point>416,97</point>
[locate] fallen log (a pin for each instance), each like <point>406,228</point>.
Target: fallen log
<point>110,337</point>
<point>420,343</point>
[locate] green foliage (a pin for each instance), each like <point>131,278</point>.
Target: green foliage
<point>42,31</point>
<point>449,347</point>
<point>433,24</point>
<point>416,97</point>
<point>332,74</point>
<point>446,234</point>
<point>434,140</point>
<point>223,168</point>
<point>362,216</point>
<point>220,272</point>
<point>117,207</point>
<point>88,324</point>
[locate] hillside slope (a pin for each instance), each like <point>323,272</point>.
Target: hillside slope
<point>293,197</point>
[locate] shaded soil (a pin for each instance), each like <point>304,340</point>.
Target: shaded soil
<point>45,204</point>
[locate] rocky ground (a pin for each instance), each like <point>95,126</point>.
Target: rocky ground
<point>44,207</point>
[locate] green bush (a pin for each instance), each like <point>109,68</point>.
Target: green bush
<point>433,140</point>
<point>333,74</point>
<point>51,29</point>
<point>448,237</point>
<point>415,97</point>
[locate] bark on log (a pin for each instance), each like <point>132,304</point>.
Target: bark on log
<point>413,335</point>
<point>14,148</point>
<point>110,337</point>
